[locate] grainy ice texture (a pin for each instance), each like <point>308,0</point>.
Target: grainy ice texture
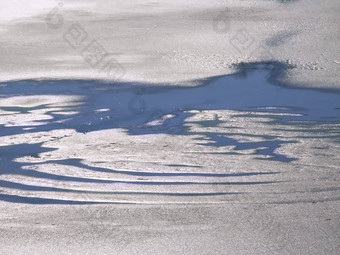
<point>169,41</point>
<point>170,127</point>
<point>240,163</point>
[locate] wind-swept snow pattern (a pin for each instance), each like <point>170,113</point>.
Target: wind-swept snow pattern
<point>238,138</point>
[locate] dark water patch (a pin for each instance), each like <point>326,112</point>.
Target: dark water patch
<point>253,92</point>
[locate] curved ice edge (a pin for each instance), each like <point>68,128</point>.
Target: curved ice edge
<point>254,88</point>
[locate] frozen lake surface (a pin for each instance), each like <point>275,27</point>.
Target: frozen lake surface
<point>50,129</point>
<point>169,127</point>
<point>131,168</point>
